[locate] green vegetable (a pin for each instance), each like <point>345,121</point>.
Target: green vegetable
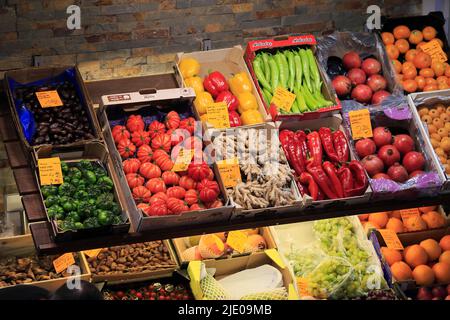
<point>86,209</point>
<point>260,74</point>
<point>75,182</point>
<point>99,171</point>
<point>117,220</point>
<point>298,70</point>
<point>78,225</point>
<point>64,167</point>
<point>104,217</point>
<point>305,68</point>
<point>74,216</point>
<point>315,75</point>
<point>274,72</point>
<point>49,191</point>
<point>85,165</point>
<point>265,61</point>
<point>301,101</point>
<point>115,209</point>
<point>291,80</point>
<point>74,173</point>
<point>90,223</point>
<point>68,206</point>
<point>51,200</point>
<point>105,201</point>
<point>309,99</point>
<point>66,189</point>
<point>105,184</point>
<point>59,216</point>
<point>294,108</point>
<point>269,95</point>
<point>90,177</point>
<point>282,70</point>
<point>81,194</point>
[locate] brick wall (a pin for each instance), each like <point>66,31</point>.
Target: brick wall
<point>122,38</point>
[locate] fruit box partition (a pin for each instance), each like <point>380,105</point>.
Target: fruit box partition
<point>271,45</point>
<point>397,116</point>
<point>416,100</point>
<point>95,152</point>
<point>154,105</point>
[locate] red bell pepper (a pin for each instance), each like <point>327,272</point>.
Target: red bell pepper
<point>295,160</point>
<point>285,136</point>
<point>231,101</point>
<point>361,182</point>
<point>235,119</point>
<point>331,172</point>
<point>327,143</point>
<point>215,83</point>
<point>322,180</point>
<point>300,136</point>
<point>315,148</point>
<point>346,177</point>
<point>341,146</point>
<point>308,180</point>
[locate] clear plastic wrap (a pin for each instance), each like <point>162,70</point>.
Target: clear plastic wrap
<point>395,113</point>
<point>365,44</point>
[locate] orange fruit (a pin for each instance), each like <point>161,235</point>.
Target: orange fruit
<point>429,33</point>
<point>367,225</point>
<point>422,60</point>
<point>401,271</point>
<point>409,85</point>
<point>380,219</point>
<point>415,37</point>
<point>442,131</point>
<point>426,209</point>
<point>409,73</point>
<point>427,119</point>
<point>387,37</point>
<point>392,51</point>
<point>446,118</point>
<point>426,72</point>
<point>391,255</point>
<point>432,249</point>
<point>399,77</point>
<point>397,65</point>
<point>410,54</point>
<point>438,68</point>
<point>415,255</point>
<point>363,217</point>
<point>423,275</point>
<point>432,128</point>
<point>396,225</point>
<point>445,257</point>
<point>438,123</point>
<point>445,243</point>
<point>416,224</point>
<point>401,32</point>
<point>430,87</point>
<point>402,45</point>
<point>395,214</point>
<point>447,71</point>
<point>442,272</point>
<point>420,80</point>
<point>443,86</point>
<point>441,79</point>
<point>433,113</point>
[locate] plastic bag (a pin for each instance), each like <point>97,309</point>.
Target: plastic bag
<point>365,44</point>
<point>26,119</point>
<point>394,112</point>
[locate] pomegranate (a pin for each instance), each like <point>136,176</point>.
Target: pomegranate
<point>365,147</point>
<point>424,294</point>
<point>356,76</point>
<point>382,136</point>
<point>381,176</point>
<point>372,164</point>
<point>351,60</point>
<point>404,143</point>
<point>413,161</point>
<point>389,155</point>
<point>379,96</point>
<point>342,85</point>
<point>362,93</point>
<point>439,292</point>
<point>376,82</point>
<point>371,66</point>
<point>397,172</point>
<point>416,173</point>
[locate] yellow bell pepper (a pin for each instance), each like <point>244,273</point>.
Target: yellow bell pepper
<point>196,83</point>
<point>202,101</point>
<point>240,83</point>
<point>251,117</point>
<point>204,117</point>
<point>189,67</point>
<point>247,101</point>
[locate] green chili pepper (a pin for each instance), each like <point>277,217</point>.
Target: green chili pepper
<point>305,68</point>
<point>314,70</point>
<point>281,70</point>
<point>295,108</point>
<point>321,100</point>
<point>260,74</point>
<point>309,99</point>
<point>301,101</point>
<point>274,72</point>
<point>269,96</point>
<point>298,70</point>
<point>265,61</point>
<point>266,99</point>
<point>291,62</point>
<point>285,67</point>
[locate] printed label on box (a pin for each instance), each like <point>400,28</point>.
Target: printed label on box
<point>410,214</point>
<point>237,240</point>
<point>92,253</point>
<point>49,99</point>
<point>391,239</point>
<point>283,99</point>
<point>360,124</point>
<point>63,262</point>
<point>50,171</point>
<point>230,172</point>
<point>302,285</point>
<point>434,50</point>
<point>218,115</point>
<point>184,158</point>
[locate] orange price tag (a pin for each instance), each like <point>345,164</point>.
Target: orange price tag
<point>230,172</point>
<point>360,124</point>
<point>50,171</point>
<point>49,99</point>
<point>283,99</point>
<point>183,160</point>
<point>237,240</point>
<point>302,285</point>
<point>63,262</point>
<point>92,253</point>
<point>218,115</point>
<point>434,50</point>
<point>408,214</point>
<point>391,239</point>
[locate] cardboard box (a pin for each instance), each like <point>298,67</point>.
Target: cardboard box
<point>417,100</point>
<point>23,246</point>
<point>28,76</point>
<point>127,277</point>
<point>227,267</point>
<point>240,212</point>
<point>406,239</point>
<point>181,244</point>
<point>271,45</point>
<point>228,61</point>
<point>95,152</point>
<point>113,111</point>
<point>333,122</point>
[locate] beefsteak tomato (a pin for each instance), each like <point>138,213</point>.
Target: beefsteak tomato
<point>119,133</point>
<point>149,170</point>
<point>126,148</point>
<point>141,194</point>
<point>191,197</point>
<point>156,128</point>
<point>208,190</point>
<point>172,120</point>
<point>135,123</point>
<point>134,180</point>
<point>176,192</point>
<point>162,141</point>
<point>198,171</point>
<point>140,138</point>
<point>145,153</point>
<point>170,178</point>
<point>131,165</point>
<point>156,185</point>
